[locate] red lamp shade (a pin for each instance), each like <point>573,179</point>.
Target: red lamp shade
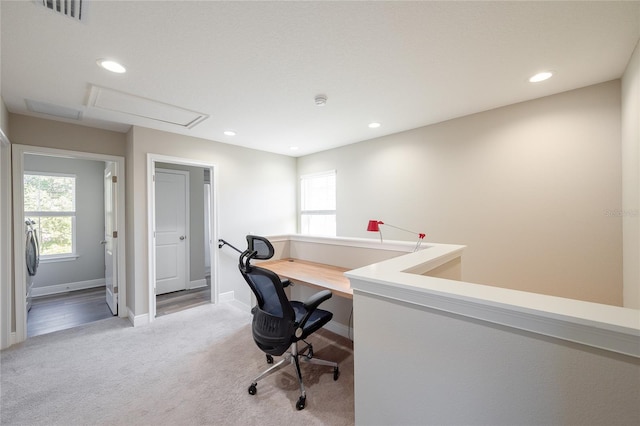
<point>373,226</point>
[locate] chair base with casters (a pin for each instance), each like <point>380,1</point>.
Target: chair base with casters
<point>279,323</point>
<point>294,357</point>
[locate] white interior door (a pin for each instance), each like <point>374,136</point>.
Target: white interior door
<point>110,232</point>
<point>171,187</point>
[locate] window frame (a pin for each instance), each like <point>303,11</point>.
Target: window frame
<point>317,212</point>
<point>47,258</point>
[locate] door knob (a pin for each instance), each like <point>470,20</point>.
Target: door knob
<point>182,237</point>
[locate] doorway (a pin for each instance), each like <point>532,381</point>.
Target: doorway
<point>24,158</point>
<point>182,265</point>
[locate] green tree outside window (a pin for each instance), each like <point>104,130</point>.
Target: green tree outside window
<point>49,200</point>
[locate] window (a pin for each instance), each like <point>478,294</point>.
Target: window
<point>318,204</point>
<point>50,201</point>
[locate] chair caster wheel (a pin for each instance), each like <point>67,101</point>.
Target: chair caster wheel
<point>252,389</point>
<point>301,403</point>
<point>336,373</point>
<point>310,353</point>
<point>269,359</point>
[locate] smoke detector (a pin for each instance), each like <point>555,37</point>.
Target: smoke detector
<point>321,100</point>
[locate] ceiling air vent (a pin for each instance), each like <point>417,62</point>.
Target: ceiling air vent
<point>70,8</point>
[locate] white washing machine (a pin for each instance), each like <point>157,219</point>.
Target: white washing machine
<point>32,256</point>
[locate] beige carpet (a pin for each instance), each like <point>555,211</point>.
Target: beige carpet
<point>188,368</point>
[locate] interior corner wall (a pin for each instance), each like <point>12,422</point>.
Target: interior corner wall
<point>256,193</point>
<point>630,211</point>
<point>532,189</point>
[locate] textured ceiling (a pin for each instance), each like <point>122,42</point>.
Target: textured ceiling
<point>255,67</point>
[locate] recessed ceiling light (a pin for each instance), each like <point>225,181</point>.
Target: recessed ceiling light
<point>293,148</point>
<point>374,125</point>
<point>541,76</point>
<point>112,66</point>
<point>229,133</point>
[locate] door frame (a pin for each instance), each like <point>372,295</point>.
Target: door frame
<point>18,152</point>
<point>6,249</point>
<point>187,217</point>
<point>152,159</point>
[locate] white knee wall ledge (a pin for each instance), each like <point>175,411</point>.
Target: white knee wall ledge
<point>606,327</point>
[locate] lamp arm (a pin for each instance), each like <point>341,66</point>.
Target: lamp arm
<point>420,235</point>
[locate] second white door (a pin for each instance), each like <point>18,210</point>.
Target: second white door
<point>110,232</point>
<point>172,189</point>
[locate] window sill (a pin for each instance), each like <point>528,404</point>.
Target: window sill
<point>61,258</point>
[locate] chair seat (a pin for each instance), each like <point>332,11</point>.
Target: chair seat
<point>316,321</point>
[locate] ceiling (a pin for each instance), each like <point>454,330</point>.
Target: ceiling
<point>256,67</point>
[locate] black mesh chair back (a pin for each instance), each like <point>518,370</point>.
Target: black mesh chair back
<point>274,320</point>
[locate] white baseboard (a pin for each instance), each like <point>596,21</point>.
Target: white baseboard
<point>340,329</point>
<point>138,320</point>
<point>239,305</point>
<point>229,296</point>
<point>63,288</point>
<point>198,283</point>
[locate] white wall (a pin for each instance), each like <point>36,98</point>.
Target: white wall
<point>527,188</point>
<point>89,266</point>
<point>25,130</point>
<point>255,193</point>
<point>631,180</point>
<point>420,366</point>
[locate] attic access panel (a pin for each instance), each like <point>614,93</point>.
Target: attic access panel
<point>126,103</point>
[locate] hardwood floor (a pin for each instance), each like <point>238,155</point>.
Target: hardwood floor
<point>66,310</point>
<point>169,303</point>
<point>71,309</point>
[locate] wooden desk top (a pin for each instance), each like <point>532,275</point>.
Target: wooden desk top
<point>319,275</point>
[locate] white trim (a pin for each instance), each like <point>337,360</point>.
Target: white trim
<point>401,246</point>
<point>55,258</point>
<point>339,329</point>
<point>63,288</point>
<point>240,305</point>
<point>138,320</point>
<point>331,172</point>
<point>228,296</point>
<point>152,159</point>
<point>7,337</point>
<point>18,227</point>
<point>606,327</point>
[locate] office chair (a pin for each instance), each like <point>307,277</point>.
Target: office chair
<point>278,323</point>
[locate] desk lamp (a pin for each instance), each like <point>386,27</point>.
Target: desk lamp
<point>374,226</point>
